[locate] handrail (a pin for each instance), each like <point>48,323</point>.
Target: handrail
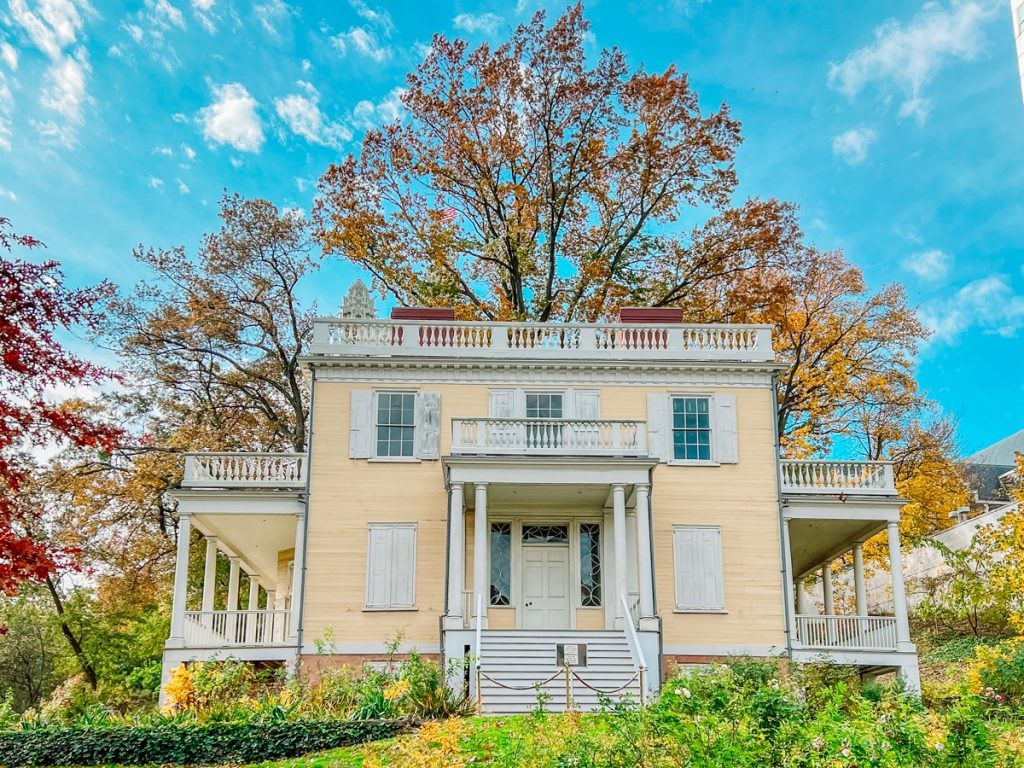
<point>634,641</point>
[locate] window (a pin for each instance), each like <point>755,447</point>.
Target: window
<point>391,566</point>
<point>691,429</point>
<point>545,534</point>
<point>544,405</point>
<point>396,423</point>
<point>590,565</point>
<point>501,564</point>
<point>698,561</point>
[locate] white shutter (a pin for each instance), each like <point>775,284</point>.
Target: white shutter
<point>403,564</point>
<point>378,567</point>
<point>585,404</point>
<point>726,440</point>
<point>698,555</point>
<point>428,424</point>
<point>361,425</point>
<point>502,404</point>
<point>659,427</point>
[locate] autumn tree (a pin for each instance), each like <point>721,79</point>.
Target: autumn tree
<point>36,306</point>
<point>528,182</point>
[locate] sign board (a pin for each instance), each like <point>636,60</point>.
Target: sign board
<point>571,655</point>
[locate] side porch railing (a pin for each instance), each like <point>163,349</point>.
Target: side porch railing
<point>847,633</point>
<point>235,629</point>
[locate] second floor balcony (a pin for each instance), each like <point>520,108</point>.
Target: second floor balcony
<point>549,437</point>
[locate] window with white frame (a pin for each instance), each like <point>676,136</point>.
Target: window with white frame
<point>691,428</point>
<point>396,424</point>
<point>391,566</point>
<point>544,405</point>
<point>698,564</point>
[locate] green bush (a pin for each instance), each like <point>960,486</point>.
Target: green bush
<point>213,743</point>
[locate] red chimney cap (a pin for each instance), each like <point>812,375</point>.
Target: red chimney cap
<point>650,315</point>
<point>422,313</point>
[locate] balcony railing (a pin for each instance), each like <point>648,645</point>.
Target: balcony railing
<point>551,437</point>
<point>847,633</point>
<point>234,629</point>
<point>874,478</point>
<point>554,341</point>
<point>244,470</point>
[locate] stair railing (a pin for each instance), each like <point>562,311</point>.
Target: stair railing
<point>479,653</point>
<point>634,643</point>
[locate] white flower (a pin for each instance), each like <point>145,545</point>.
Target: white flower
<point>678,692</point>
<point>686,692</point>
<point>939,746</point>
<point>846,752</point>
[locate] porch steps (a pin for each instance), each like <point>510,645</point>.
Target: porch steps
<point>521,658</point>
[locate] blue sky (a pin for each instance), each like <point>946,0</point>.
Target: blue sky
<point>897,126</point>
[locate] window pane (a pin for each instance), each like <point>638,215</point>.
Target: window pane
<point>545,534</point>
<point>396,415</point>
<point>590,565</point>
<point>691,428</point>
<point>501,564</point>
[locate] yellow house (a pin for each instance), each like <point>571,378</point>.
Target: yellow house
<point>588,505</point>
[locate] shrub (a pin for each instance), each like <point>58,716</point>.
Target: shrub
<point>196,745</point>
<point>997,673</point>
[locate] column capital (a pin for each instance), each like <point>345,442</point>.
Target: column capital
<point>183,513</point>
<point>618,487</point>
<point>642,486</point>
<point>460,484</point>
<point>480,485</point>
<point>234,559</point>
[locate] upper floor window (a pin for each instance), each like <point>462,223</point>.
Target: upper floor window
<point>691,428</point>
<point>544,405</point>
<point>396,423</point>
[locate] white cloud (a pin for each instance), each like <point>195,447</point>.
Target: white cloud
<point>65,90</point>
<point>906,57</point>
<point>307,66</point>
<point>303,116</point>
<point>55,26</point>
<point>232,119</point>
<point>852,145</point>
<point>135,32</point>
<point>483,23</point>
<point>362,42</point>
<point>989,304</point>
<point>9,54</point>
<point>929,265</point>
<point>179,117</point>
<point>188,152</point>
<point>272,15</point>
<point>155,183</point>
<point>376,16</point>
<point>183,187</point>
<point>4,192</point>
<point>203,5</point>
<point>6,110</point>
<point>369,115</point>
<point>165,15</point>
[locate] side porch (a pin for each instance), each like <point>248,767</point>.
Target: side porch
<point>830,508</point>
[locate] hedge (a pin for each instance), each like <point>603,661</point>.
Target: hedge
<point>186,745</point>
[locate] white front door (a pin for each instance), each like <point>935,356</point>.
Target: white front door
<point>545,593</point>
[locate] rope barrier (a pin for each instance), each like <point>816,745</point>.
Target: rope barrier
<point>608,690</point>
<point>529,687</point>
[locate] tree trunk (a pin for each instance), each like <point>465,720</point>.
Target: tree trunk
<point>74,642</point>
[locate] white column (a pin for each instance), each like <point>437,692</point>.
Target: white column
<point>643,541</point>
<point>802,608</point>
<point>177,638</point>
<point>271,599</point>
<point>297,568</point>
<point>619,540</point>
<point>251,618</point>
<point>456,557</point>
<point>899,593</point>
<point>272,629</point>
<point>210,573</point>
<point>826,588</point>
<point>481,577</point>
<point>858,579</point>
<point>233,575</point>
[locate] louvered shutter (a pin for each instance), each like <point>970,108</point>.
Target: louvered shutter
<point>659,427</point>
<point>378,567</point>
<point>428,425</point>
<point>711,591</point>
<point>698,555</point>
<point>403,564</point>
<point>361,425</point>
<point>726,438</point>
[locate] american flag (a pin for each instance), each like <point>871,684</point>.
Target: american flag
<point>449,215</point>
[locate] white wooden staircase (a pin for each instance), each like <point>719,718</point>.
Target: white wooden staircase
<point>514,661</point>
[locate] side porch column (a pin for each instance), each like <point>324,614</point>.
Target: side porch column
<point>826,589</point>
<point>297,568</point>
<point>177,638</point>
<point>210,573</point>
<point>643,539</point>
<point>899,593</point>
<point>481,577</point>
<point>858,579</point>
<point>457,558</point>
<point>254,605</point>
<point>619,539</point>
<point>232,623</point>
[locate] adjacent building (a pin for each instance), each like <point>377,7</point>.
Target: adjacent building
<point>583,504</point>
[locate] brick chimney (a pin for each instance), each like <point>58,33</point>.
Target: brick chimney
<point>422,313</point>
<point>650,315</point>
